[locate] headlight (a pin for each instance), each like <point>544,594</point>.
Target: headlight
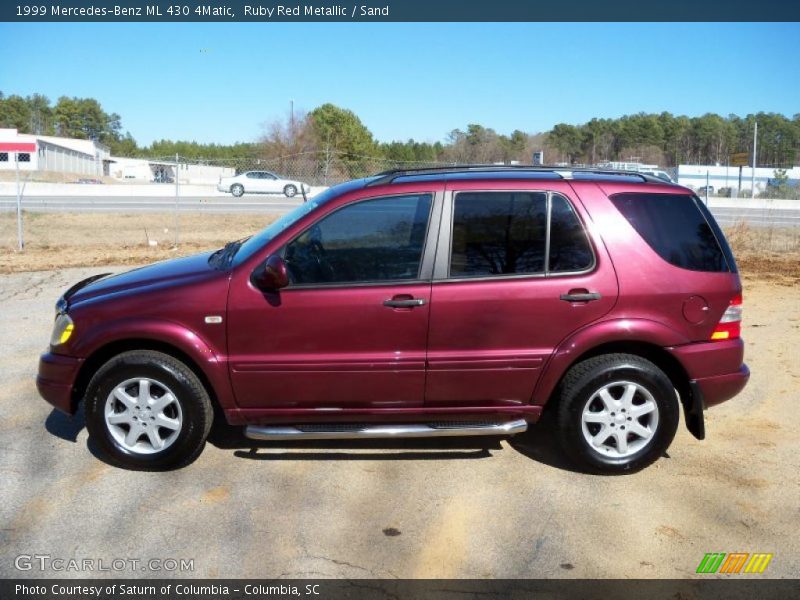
<point>62,330</point>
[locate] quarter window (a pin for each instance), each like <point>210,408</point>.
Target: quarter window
<point>569,247</point>
<point>370,241</point>
<point>679,229</point>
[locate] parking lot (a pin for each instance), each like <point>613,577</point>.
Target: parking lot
<point>474,509</point>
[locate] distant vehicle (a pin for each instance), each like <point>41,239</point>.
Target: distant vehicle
<point>420,303</point>
<point>705,189</point>
<point>88,180</point>
<point>260,182</point>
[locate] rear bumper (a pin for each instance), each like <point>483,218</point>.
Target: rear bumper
<point>716,368</point>
<point>723,387</point>
<point>56,379</point>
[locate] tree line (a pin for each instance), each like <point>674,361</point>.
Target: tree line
<point>670,140</point>
<point>330,131</point>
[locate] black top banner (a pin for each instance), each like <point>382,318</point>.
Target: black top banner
<point>397,10</point>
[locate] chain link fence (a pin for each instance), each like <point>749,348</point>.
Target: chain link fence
<point>319,169</point>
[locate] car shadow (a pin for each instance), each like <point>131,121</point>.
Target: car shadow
<point>540,443</point>
<point>63,426</point>
<point>226,437</point>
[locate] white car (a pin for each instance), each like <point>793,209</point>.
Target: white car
<point>261,182</point>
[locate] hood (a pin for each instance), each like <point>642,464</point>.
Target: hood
<point>172,272</point>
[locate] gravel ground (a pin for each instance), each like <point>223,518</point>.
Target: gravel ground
<point>472,509</point>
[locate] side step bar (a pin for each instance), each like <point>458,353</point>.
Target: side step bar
<point>277,432</point>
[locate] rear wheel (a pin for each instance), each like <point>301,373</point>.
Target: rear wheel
<point>147,410</point>
<point>237,190</point>
<point>290,191</point>
<point>617,413</point>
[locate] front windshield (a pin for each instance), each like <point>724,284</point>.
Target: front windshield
<point>256,242</point>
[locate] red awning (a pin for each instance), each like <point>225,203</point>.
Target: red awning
<point>17,147</point>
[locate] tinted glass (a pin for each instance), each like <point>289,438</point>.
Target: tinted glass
<point>569,246</point>
<point>675,227</point>
<point>374,240</point>
<point>498,233</point>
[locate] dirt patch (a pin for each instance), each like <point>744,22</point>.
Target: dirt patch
<point>768,254</point>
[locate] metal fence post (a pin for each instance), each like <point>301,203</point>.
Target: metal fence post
<point>177,198</point>
<point>20,239</point>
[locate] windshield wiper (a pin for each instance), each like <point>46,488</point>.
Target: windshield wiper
<point>224,256</point>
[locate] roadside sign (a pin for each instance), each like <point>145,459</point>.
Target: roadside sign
<point>740,159</point>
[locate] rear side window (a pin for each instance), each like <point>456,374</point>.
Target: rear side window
<point>678,230</point>
<point>498,233</point>
<point>506,233</point>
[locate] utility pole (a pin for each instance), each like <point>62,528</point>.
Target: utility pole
<point>755,151</point>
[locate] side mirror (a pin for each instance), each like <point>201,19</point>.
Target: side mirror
<point>272,275</point>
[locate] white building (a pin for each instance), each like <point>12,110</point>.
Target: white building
<point>694,176</point>
<point>139,170</point>
<point>66,155</point>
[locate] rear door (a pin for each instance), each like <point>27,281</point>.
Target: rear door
<point>516,272</point>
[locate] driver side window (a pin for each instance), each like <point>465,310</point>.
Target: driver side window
<point>369,241</point>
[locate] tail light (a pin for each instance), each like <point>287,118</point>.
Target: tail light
<point>730,325</point>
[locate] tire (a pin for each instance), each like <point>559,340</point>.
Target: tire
<point>237,190</point>
<point>290,191</point>
<point>603,396</point>
<point>143,388</point>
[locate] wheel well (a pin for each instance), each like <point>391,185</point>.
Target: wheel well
<point>105,353</point>
<point>655,354</point>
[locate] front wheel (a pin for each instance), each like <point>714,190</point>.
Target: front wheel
<point>617,413</point>
<point>289,191</point>
<point>237,190</point>
<point>147,410</point>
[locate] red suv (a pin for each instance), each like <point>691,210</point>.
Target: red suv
<point>436,302</point>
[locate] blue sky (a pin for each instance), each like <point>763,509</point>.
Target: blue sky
<point>222,82</point>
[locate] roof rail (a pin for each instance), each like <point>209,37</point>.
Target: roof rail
<point>389,176</point>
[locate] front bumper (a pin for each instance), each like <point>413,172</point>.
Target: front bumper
<point>56,380</point>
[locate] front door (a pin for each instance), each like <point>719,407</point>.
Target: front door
<point>515,274</point>
<point>350,330</point>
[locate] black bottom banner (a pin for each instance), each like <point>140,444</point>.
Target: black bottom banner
<point>399,589</point>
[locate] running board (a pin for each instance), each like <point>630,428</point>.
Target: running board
<point>340,432</point>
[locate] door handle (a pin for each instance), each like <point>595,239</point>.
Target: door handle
<point>406,303</point>
<point>580,297</point>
